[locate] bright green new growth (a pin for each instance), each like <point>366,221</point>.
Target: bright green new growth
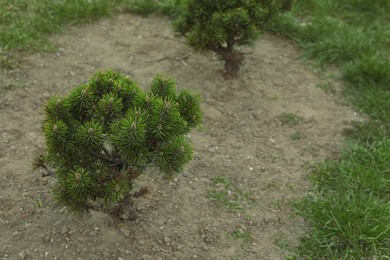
<point>102,135</point>
<point>222,25</point>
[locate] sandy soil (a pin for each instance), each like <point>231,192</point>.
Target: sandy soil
<point>261,155</point>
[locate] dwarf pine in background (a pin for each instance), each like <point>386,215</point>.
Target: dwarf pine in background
<point>222,25</point>
<point>105,133</point>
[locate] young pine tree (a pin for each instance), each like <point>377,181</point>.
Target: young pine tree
<point>222,25</point>
<point>102,135</point>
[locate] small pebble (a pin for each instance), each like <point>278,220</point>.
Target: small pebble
<point>64,230</point>
<point>22,254</point>
<point>93,233</point>
<point>125,232</point>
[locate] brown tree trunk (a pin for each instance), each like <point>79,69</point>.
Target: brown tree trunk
<point>233,59</point>
<point>233,62</point>
<point>287,5</point>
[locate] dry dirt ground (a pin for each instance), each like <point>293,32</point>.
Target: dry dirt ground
<point>232,201</point>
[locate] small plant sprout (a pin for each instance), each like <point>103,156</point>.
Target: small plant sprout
<point>227,195</point>
<point>106,132</point>
<point>244,234</point>
<point>297,136</point>
<point>290,119</point>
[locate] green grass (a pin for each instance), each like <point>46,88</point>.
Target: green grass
<point>297,136</point>
<point>290,119</point>
<point>227,195</point>
<point>369,71</point>
<point>348,211</point>
<point>244,234</point>
<point>327,87</point>
<point>282,243</point>
<point>167,7</point>
<point>354,229</point>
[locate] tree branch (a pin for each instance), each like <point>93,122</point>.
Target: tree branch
<point>48,172</point>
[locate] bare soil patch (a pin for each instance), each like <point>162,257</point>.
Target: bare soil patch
<point>232,202</point>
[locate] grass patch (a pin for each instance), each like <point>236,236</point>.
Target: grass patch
<point>281,242</point>
<point>243,234</point>
<point>369,71</point>
<point>167,7</point>
<point>229,196</point>
<point>345,226</point>
<point>367,132</point>
<point>364,169</point>
<point>13,84</point>
<point>7,61</point>
<point>348,214</point>
<point>374,103</point>
<point>297,136</point>
<point>327,87</point>
<point>325,39</point>
<point>338,43</point>
<point>290,119</point>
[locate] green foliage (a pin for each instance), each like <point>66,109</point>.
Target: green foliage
<point>102,135</point>
<point>221,25</point>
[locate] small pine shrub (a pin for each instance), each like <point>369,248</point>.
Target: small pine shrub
<point>105,133</point>
<point>222,25</point>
